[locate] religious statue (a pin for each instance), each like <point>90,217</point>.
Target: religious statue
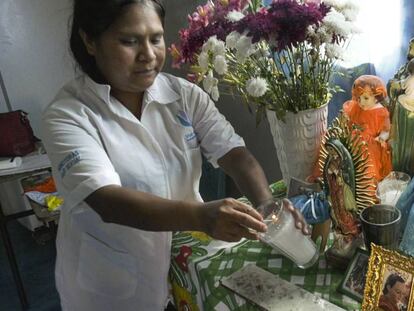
<point>394,85</point>
<point>349,186</point>
<point>402,133</point>
<point>407,85</point>
<point>366,113</point>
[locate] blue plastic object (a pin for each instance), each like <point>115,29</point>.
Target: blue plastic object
<point>314,206</point>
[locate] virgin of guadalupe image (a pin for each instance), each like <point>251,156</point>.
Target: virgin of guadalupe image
<point>349,186</point>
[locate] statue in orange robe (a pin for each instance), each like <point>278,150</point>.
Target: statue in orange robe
<point>366,112</point>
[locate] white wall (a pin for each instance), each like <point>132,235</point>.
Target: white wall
<point>34,58</point>
<point>35,63</point>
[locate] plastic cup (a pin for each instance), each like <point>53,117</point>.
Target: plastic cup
<point>391,187</point>
<point>283,235</point>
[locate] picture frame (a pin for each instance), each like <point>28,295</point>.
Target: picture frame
<point>389,282</point>
<point>353,283</point>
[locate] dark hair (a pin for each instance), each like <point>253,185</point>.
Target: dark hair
<point>94,17</point>
<point>391,280</point>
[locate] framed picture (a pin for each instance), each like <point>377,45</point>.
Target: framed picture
<point>389,284</point>
<point>354,281</point>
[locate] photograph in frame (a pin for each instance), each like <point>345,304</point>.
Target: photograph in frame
<point>353,283</point>
<point>389,282</point>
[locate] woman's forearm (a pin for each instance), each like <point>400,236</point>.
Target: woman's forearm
<point>247,173</point>
<point>227,219</point>
<point>144,211</point>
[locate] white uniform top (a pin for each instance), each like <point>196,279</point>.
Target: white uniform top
<point>93,141</point>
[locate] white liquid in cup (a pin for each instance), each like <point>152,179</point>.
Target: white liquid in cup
<point>390,197</point>
<point>284,236</point>
<point>389,191</point>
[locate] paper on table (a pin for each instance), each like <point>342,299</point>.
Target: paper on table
<point>272,293</point>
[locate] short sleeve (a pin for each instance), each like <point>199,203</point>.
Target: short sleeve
<point>79,162</point>
<point>216,135</point>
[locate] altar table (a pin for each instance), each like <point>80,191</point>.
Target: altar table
<point>199,262</point>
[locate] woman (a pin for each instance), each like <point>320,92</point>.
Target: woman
<point>125,142</point>
<point>393,293</point>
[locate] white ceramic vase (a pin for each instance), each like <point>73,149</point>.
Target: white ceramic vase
<point>297,140</point>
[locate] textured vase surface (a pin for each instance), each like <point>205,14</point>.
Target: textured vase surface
<point>297,140</point>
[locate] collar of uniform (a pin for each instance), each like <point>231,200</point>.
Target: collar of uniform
<point>102,90</point>
<point>161,91</point>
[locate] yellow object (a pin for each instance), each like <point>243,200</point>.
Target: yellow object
<point>53,202</point>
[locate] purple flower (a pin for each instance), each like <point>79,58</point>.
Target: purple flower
<point>283,21</point>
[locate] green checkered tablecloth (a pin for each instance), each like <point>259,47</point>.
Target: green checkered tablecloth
<point>198,263</point>
<point>196,277</point>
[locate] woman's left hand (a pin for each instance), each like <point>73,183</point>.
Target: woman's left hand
<point>300,221</point>
<point>267,207</point>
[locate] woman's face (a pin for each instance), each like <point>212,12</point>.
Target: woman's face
<point>396,292</point>
<point>131,52</point>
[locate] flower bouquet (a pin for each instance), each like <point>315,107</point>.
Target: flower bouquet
<point>277,55</point>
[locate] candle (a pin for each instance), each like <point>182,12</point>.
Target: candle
<point>284,236</point>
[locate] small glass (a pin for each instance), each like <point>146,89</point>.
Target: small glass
<point>381,226</point>
<point>391,187</point>
<point>283,235</point>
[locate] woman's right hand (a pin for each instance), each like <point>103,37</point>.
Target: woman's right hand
<point>230,220</point>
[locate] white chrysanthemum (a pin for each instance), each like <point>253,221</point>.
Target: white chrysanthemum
<point>350,14</point>
<point>220,64</point>
<point>209,44</point>
<point>219,48</point>
<point>341,5</point>
<point>215,93</point>
<point>234,16</point>
<point>334,51</point>
<point>231,39</point>
<point>256,87</point>
<point>244,48</point>
<point>203,61</point>
<point>335,23</point>
<point>209,82</point>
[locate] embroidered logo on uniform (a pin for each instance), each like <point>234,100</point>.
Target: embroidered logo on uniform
<point>70,160</point>
<point>190,136</point>
<point>183,119</point>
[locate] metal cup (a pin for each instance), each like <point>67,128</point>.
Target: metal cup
<point>381,225</point>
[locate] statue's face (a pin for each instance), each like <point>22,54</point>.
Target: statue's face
<point>367,101</point>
